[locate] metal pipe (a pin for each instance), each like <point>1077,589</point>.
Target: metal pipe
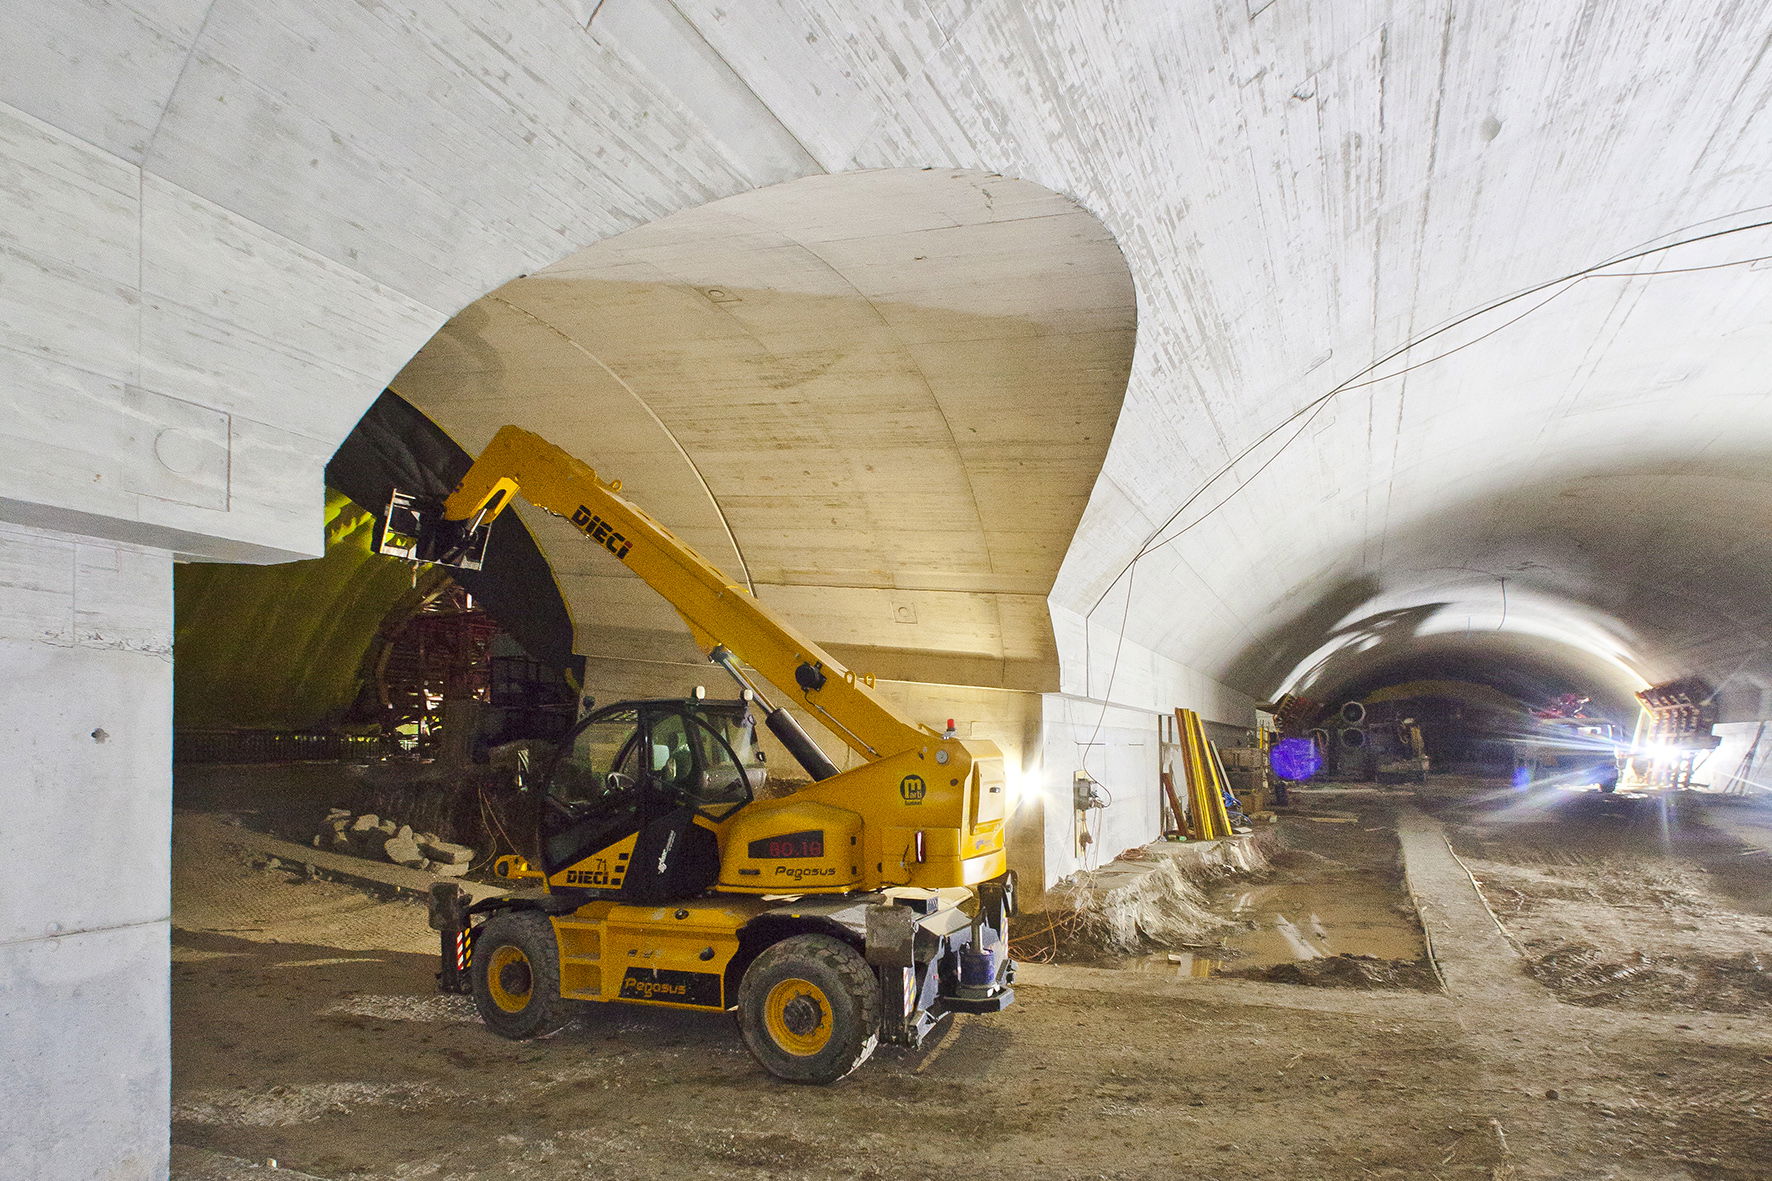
<point>781,723</point>
<point>799,744</point>
<point>722,656</point>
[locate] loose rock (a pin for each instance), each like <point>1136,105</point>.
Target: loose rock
<point>445,852</point>
<point>404,851</point>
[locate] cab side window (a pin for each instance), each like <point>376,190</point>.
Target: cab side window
<point>693,766</point>
<point>676,769</point>
<point>604,764</point>
<point>724,785</point>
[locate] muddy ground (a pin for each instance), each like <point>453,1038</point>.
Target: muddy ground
<point>306,1030</point>
<point>1333,909</point>
<point>1326,905</point>
<point>1631,901</point>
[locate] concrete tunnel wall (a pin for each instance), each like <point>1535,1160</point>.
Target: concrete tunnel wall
<point>879,401</point>
<point>227,227</point>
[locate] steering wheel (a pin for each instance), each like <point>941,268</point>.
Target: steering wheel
<point>618,781</point>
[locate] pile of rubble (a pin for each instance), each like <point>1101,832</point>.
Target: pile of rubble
<point>370,836</point>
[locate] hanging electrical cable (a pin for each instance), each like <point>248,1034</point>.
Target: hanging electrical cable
<point>1308,412</point>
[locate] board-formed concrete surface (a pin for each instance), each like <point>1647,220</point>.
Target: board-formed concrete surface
<point>86,664</point>
<point>1451,319</point>
<point>273,212</point>
<point>878,401</point>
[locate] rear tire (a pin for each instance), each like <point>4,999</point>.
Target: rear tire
<point>809,1009</point>
<point>516,976</point>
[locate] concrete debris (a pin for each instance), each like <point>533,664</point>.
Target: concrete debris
<point>446,852</point>
<point>380,838</point>
<point>403,850</point>
<point>1126,907</point>
<point>1165,906</point>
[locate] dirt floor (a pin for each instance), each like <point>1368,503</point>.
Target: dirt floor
<point>1630,901</point>
<point>306,1029</point>
<point>1333,909</point>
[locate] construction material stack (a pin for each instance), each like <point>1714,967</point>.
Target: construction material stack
<point>1208,818</point>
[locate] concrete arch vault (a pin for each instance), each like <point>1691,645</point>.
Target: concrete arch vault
<point>879,399</point>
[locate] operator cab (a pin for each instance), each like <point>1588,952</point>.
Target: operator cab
<point>634,791</point>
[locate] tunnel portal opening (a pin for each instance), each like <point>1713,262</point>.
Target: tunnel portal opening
<point>350,701</point>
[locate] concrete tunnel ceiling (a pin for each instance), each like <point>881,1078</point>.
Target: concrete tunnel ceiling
<point>880,398</point>
<point>1583,469</point>
<point>1564,455</point>
<point>1529,670</point>
<point>1298,190</point>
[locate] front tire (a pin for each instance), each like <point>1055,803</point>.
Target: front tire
<point>516,976</point>
<point>809,1009</point>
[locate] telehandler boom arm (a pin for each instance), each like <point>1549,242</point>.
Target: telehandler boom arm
<point>719,613</point>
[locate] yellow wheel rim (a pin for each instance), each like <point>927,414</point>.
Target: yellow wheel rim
<point>797,1015</point>
<point>509,979</point>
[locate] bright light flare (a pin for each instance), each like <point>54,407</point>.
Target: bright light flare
<point>1021,786</point>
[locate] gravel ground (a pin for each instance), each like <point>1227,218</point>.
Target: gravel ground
<point>306,1030</point>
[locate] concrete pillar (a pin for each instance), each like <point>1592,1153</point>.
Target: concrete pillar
<point>85,813</point>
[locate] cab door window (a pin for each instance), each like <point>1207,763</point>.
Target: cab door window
<point>676,764</point>
<point>603,766</point>
<point>723,785</point>
<point>694,767</point>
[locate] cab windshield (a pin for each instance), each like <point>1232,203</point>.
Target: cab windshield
<point>646,759</point>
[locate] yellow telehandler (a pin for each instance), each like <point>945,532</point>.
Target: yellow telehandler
<point>867,906</point>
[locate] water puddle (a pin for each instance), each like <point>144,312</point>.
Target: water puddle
<point>1182,964</point>
<point>1293,922</point>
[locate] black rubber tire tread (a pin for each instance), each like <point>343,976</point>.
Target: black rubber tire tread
<point>547,1012</point>
<point>847,981</point>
